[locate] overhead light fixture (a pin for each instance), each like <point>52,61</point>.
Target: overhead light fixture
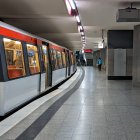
<point>71,7</point>
<point>78,19</point>
<point>83,37</point>
<point>100,45</point>
<point>80,28</point>
<point>73,11</point>
<point>82,33</point>
<point>68,6</point>
<point>72,3</point>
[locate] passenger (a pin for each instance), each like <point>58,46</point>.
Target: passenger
<point>99,63</point>
<point>83,62</point>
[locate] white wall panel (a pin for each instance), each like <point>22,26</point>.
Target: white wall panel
<point>119,62</point>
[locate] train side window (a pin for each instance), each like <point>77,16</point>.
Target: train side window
<point>33,59</point>
<point>59,58</point>
<point>52,58</point>
<point>55,60</point>
<point>72,61</point>
<point>14,58</point>
<point>64,59</point>
<point>44,57</point>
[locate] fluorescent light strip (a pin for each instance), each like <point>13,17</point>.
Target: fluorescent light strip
<point>68,6</point>
<point>100,45</point>
<point>80,28</point>
<point>72,4</point>
<point>78,19</point>
<point>82,33</point>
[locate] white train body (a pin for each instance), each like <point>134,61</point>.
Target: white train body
<point>26,70</point>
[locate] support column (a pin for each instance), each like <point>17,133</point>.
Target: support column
<point>120,54</point>
<point>136,56</point>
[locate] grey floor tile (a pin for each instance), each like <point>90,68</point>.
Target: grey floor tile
<point>45,137</point>
<point>98,110</point>
<point>80,137</point>
<point>81,131</point>
<point>131,136</point>
<point>63,137</point>
<point>117,137</point>
<point>99,134</point>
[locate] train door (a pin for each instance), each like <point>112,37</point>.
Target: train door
<point>45,76</point>
<point>68,63</point>
<point>72,62</point>
<point>64,61</point>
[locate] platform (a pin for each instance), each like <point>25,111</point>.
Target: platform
<point>98,110</point>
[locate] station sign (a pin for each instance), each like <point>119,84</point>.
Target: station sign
<point>88,50</point>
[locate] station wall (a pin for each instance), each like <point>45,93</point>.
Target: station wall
<point>120,54</point>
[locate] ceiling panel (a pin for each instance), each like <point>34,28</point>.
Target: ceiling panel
<point>45,25</point>
<point>49,19</point>
<point>38,8</point>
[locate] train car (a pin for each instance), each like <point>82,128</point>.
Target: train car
<point>58,62</point>
<point>29,66</point>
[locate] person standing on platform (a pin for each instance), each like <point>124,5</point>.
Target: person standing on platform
<point>99,63</point>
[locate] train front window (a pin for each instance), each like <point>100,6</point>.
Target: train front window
<point>14,58</point>
<point>33,59</point>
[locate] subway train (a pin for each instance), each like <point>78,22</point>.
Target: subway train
<point>29,66</point>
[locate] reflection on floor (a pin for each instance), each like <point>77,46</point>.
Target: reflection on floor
<point>98,110</point>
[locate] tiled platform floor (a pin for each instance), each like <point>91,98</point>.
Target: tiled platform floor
<point>98,110</point>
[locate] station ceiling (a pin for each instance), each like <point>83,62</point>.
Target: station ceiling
<point>50,19</point>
